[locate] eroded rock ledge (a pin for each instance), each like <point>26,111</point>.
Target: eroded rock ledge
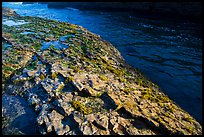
<point>78,83</point>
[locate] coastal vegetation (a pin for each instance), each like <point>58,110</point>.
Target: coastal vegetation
<point>87,86</point>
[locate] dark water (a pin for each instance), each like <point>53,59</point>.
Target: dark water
<point>169,53</point>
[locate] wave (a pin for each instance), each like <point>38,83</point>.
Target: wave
<point>69,8</point>
<point>16,2</point>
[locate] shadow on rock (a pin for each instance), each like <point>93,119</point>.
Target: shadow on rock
<point>20,114</point>
<point>109,103</point>
<point>73,124</point>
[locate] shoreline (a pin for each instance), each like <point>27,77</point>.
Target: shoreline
<point>92,70</point>
<point>175,11</point>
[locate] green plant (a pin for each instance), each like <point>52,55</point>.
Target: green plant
<point>65,64</point>
<point>118,72</point>
<point>54,75</point>
<point>7,68</point>
<point>52,47</point>
<point>187,118</point>
<point>42,77</point>
<point>81,107</point>
<point>159,119</point>
<point>103,77</point>
<point>59,89</point>
<point>128,89</point>
<point>168,115</point>
<point>122,79</point>
<point>140,82</point>
<point>75,68</point>
<point>190,129</point>
<point>69,79</point>
<point>37,46</point>
<point>18,72</point>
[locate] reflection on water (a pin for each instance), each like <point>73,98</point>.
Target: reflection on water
<point>5,46</point>
<point>56,44</point>
<point>169,53</point>
<point>13,23</point>
<point>26,33</point>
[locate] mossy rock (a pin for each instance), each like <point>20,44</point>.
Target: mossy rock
<point>81,107</point>
<point>54,75</point>
<point>42,76</point>
<point>103,77</point>
<point>69,79</point>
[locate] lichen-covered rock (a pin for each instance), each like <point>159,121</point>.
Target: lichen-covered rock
<point>86,88</point>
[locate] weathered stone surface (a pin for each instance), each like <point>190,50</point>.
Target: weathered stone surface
<point>32,73</point>
<point>103,121</point>
<point>52,119</point>
<point>57,124</point>
<point>90,117</point>
<point>86,88</point>
<point>86,129</point>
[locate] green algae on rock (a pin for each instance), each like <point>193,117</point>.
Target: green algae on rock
<point>85,88</point>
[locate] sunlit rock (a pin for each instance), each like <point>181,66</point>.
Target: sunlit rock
<point>78,83</point>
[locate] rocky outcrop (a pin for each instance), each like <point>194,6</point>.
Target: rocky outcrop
<point>86,88</point>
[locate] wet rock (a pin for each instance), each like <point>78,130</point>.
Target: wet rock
<point>20,117</point>
<point>78,85</point>
<point>58,68</point>
<point>132,130</point>
<point>42,71</point>
<point>50,38</point>
<point>43,113</point>
<point>94,129</point>
<point>85,92</point>
<point>12,89</point>
<point>43,119</point>
<point>33,99</point>
<point>47,86</point>
<point>68,109</point>
<point>38,108</point>
<point>67,97</point>
<point>25,70</point>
